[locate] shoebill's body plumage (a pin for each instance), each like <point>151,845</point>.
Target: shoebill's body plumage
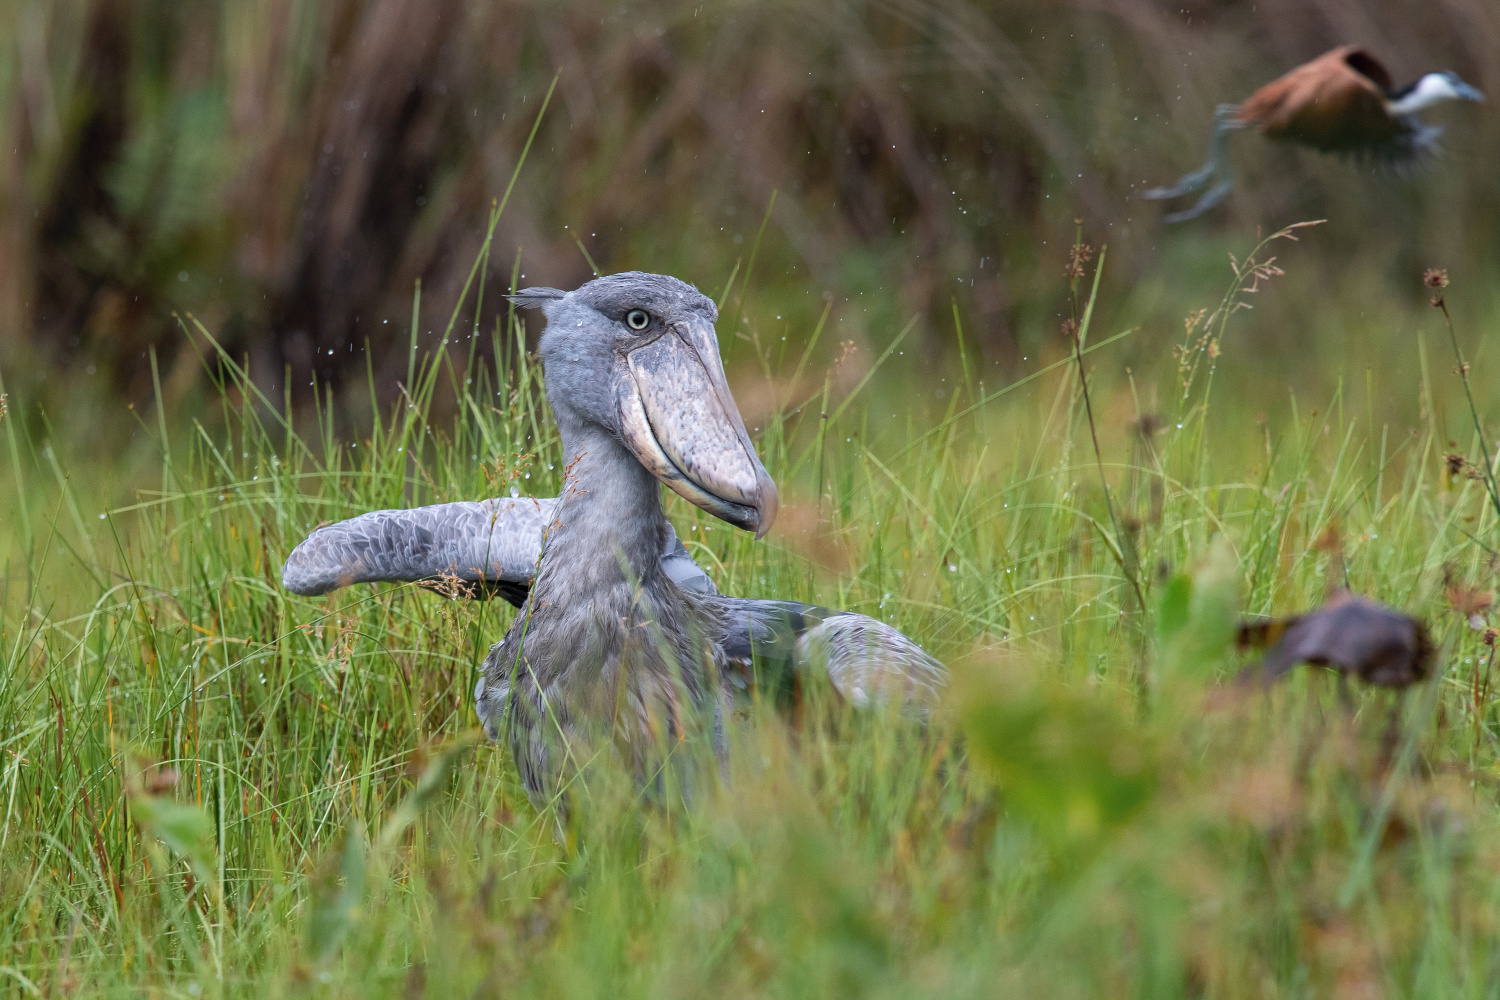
<point>1342,102</point>
<point>619,633</point>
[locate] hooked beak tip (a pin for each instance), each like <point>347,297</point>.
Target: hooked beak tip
<point>766,503</point>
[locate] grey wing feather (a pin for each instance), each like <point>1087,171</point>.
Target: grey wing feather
<point>867,660</point>
<point>764,633</point>
<point>496,541</point>
<point>487,540</point>
<point>680,566</point>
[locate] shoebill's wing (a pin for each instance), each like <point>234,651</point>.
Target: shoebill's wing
<point>491,543</point>
<point>484,548</point>
<point>769,642</point>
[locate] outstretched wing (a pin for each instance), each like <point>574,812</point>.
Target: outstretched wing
<point>866,660</point>
<point>493,544</point>
<point>483,542</point>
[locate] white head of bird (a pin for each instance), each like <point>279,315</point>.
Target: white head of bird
<point>1433,88</point>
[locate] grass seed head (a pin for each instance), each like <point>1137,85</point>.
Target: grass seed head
<point>1435,278</point>
<point>1079,254</point>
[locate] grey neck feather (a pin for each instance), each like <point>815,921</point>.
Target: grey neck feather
<point>609,519</point>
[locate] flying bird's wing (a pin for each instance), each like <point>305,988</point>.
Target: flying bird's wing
<point>493,544</point>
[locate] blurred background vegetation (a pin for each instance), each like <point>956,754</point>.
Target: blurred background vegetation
<point>286,170</point>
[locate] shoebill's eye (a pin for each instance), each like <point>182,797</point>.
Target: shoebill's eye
<point>637,319</point>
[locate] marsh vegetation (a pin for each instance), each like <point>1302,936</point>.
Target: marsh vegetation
<point>1072,480</point>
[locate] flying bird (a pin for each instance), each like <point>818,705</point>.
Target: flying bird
<point>619,633</point>
<point>1342,102</point>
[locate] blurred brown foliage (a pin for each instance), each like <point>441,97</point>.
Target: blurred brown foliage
<point>286,169</point>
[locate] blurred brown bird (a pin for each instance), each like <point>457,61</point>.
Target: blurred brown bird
<point>1353,635</point>
<point>1342,102</point>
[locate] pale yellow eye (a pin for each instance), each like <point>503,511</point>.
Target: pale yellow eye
<point>637,319</point>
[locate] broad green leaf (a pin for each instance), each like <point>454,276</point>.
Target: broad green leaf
<point>1067,758</point>
<point>187,831</point>
<point>338,895</point>
<point>1198,614</point>
<point>1174,608</point>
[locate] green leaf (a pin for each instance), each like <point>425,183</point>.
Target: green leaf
<point>338,896</point>
<point>1198,614</point>
<point>186,830</point>
<point>1067,759</point>
<point>428,784</point>
<point>1174,608</point>
<point>1216,598</point>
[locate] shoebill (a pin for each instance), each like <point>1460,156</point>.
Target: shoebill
<point>1342,102</point>
<point>619,633</point>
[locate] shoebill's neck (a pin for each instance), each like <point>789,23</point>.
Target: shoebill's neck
<point>609,528</point>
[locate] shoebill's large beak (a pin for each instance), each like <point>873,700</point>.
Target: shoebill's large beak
<point>677,416</point>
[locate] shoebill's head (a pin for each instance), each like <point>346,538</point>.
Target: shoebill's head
<point>636,355</point>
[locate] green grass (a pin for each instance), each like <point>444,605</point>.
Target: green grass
<point>1095,813</point>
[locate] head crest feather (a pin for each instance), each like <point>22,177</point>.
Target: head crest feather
<point>536,298</point>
